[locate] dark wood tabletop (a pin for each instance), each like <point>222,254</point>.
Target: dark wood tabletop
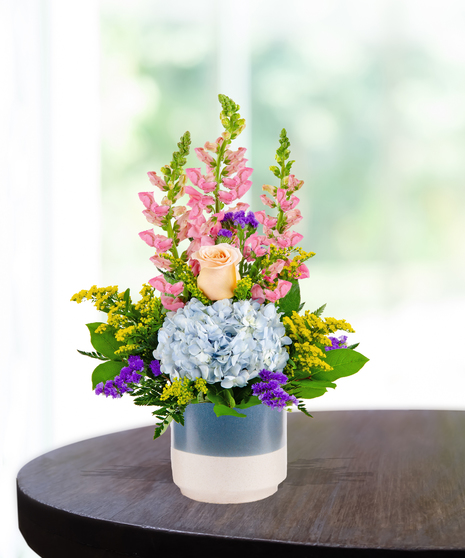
<point>360,483</point>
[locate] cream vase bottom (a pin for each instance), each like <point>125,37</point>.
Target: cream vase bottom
<point>228,480</point>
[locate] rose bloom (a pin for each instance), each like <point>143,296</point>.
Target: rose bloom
<point>218,275</point>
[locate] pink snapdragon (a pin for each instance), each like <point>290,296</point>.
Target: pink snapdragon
<point>206,183</point>
<point>303,272</point>
<point>157,241</point>
<point>266,201</point>
<point>161,262</point>
<point>287,239</point>
<point>274,270</point>
<point>255,241</point>
<point>154,212</point>
<point>157,181</point>
<point>259,294</point>
<point>238,185</point>
<point>285,204</point>
<point>162,285</point>
<point>267,221</point>
<point>171,303</point>
<point>235,160</point>
<point>280,292</point>
<point>293,217</point>
<point>198,202</point>
<point>204,157</point>
<point>227,197</point>
<point>292,183</point>
<point>213,146</point>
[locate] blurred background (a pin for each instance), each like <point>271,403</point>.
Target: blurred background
<point>95,94</point>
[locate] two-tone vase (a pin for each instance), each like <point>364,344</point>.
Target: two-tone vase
<point>229,460</point>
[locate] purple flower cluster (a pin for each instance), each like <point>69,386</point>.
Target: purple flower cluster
<point>225,232</point>
<point>128,375</point>
<point>336,343</point>
<point>270,391</point>
<point>241,219</point>
<point>155,367</point>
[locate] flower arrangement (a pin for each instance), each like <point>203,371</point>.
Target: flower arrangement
<point>226,328</point>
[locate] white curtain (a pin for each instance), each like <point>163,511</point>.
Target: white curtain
<point>50,223</point>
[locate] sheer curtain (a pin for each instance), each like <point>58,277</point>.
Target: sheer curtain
<point>50,227</point>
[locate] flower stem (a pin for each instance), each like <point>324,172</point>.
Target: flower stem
<point>218,174</point>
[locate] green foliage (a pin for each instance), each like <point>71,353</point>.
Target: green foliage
<point>344,362</point>
<point>250,401</point>
<point>291,302</point>
<point>106,371</point>
<point>93,355</point>
<point>320,310</point>
<point>230,117</point>
<point>221,410</point>
<point>148,394</point>
<point>282,155</point>
<point>104,342</point>
<point>227,400</point>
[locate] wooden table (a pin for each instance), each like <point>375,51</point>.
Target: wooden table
<point>360,483</point>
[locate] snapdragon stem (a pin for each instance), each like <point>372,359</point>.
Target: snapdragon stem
<point>169,230</point>
<point>218,173</point>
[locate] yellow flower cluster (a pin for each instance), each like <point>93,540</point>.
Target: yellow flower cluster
<point>131,329</point>
<point>151,310</point>
<point>309,334</point>
<point>201,385</point>
<point>180,389</point>
<point>242,291</point>
<point>184,273</point>
<point>101,297</point>
<point>290,271</point>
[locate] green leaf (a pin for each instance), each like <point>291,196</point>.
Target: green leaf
<point>319,311</point>
<point>345,362</point>
<point>291,302</point>
<point>317,384</point>
<point>221,410</point>
<point>221,397</point>
<point>249,402</point>
<point>105,342</point>
<point>106,371</point>
<point>310,393</point>
<point>229,398</point>
<point>216,398</point>
<point>301,407</point>
<point>92,355</point>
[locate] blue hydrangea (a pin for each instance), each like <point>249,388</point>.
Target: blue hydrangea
<point>226,342</point>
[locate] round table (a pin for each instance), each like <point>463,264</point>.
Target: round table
<point>360,483</point>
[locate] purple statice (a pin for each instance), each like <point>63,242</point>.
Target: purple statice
<point>109,389</point>
<point>229,216</point>
<point>270,391</point>
<point>240,219</point>
<point>251,220</point>
<point>155,367</point>
<point>336,343</point>
<point>136,363</point>
<point>275,376</point>
<point>225,232</point>
<point>128,375</point>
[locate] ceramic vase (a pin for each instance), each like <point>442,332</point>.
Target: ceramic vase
<point>229,460</point>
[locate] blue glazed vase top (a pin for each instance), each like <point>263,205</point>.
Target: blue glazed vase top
<point>262,431</point>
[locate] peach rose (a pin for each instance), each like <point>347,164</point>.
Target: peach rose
<point>218,274</point>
